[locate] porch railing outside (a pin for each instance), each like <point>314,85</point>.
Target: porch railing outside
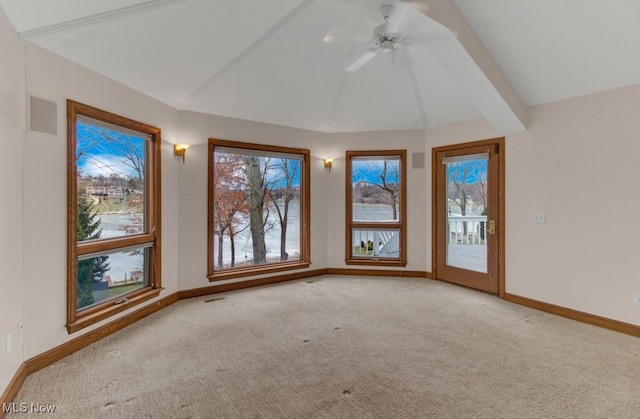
<point>383,243</point>
<point>466,229</point>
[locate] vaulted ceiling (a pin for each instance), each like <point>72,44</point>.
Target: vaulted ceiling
<point>268,61</point>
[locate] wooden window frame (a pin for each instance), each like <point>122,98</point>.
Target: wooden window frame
<point>305,213</point>
<point>401,261</point>
<point>79,320</point>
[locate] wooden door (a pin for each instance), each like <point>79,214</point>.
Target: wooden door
<point>468,208</point>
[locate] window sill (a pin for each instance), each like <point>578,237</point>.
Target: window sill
<point>378,262</point>
<point>108,309</point>
<point>257,270</point>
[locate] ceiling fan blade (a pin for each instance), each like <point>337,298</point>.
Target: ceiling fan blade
<point>360,61</point>
<point>337,34</point>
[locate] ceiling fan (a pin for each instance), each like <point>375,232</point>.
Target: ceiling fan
<point>387,37</point>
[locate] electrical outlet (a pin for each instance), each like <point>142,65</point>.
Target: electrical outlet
<point>636,298</point>
<point>20,330</point>
<point>8,343</point>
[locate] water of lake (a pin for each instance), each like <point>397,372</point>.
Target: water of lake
<point>122,263</point>
<point>244,245</point>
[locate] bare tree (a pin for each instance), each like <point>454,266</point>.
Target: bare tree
<point>481,189</point>
<point>230,201</point>
<point>132,156</point>
<point>257,220</point>
<point>458,176</point>
<point>288,168</point>
<point>389,172</point>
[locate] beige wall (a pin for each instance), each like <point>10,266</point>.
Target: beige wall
<point>12,138</point>
<point>45,202</point>
<point>578,164</point>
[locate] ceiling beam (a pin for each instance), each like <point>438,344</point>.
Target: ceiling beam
<point>414,86</point>
<point>97,18</point>
<point>465,58</point>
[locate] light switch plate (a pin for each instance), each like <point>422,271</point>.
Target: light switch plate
<point>539,217</point>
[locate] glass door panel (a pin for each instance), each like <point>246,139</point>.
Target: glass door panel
<point>466,211</point>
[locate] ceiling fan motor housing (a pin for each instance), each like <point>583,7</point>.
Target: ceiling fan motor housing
<point>387,35</point>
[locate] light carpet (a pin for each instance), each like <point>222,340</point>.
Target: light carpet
<point>347,347</point>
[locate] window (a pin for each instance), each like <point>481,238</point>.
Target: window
<point>258,209</point>
<point>376,208</point>
<point>113,190</point>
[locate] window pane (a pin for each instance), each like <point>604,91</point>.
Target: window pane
<point>466,211</point>
<point>384,243</point>
<point>107,276</point>
<point>256,209</point>
<point>375,189</point>
<point>111,181</point>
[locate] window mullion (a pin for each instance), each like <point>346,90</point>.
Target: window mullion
<point>114,244</point>
<point>375,226</point>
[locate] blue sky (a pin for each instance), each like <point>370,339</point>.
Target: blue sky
<point>370,170</point>
<point>477,170</point>
<point>102,157</point>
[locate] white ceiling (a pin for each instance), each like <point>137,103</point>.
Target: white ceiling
<point>557,49</point>
<point>266,60</point>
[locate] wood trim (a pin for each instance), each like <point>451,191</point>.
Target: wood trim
<point>375,261</point>
<point>106,310</point>
<point>210,209</point>
<point>234,286</point>
<point>379,272</point>
<point>258,147</point>
<point>456,149</point>
<point>305,211</point>
<point>434,213</point>
<point>375,226</point>
<point>78,320</point>
<point>471,144</point>
<point>257,270</point>
<point>114,244</point>
<point>12,389</point>
<point>72,212</point>
<point>55,354</point>
<point>592,319</point>
<point>305,229</point>
<point>350,224</point>
<point>501,151</point>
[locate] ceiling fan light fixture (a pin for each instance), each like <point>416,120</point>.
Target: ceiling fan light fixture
<point>386,46</point>
<point>387,42</point>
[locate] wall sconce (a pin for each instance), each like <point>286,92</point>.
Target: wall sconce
<point>180,150</point>
<point>328,163</point>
